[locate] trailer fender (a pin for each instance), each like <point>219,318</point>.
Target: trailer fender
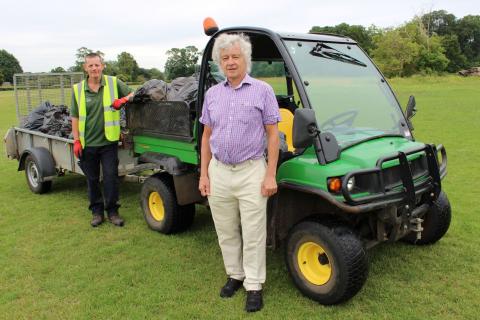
<point>44,160</point>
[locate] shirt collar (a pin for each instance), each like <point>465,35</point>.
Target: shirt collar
<point>246,80</point>
<point>102,82</point>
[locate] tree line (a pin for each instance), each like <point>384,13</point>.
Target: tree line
<point>433,43</point>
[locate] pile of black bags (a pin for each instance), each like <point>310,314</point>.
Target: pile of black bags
<point>50,119</point>
<point>180,89</point>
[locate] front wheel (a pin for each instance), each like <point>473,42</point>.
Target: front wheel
<point>160,208</point>
<point>327,264</point>
<point>34,180</point>
<point>436,222</point>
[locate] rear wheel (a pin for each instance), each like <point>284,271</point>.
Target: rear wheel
<point>436,222</point>
<point>160,208</point>
<point>327,264</point>
<point>32,173</point>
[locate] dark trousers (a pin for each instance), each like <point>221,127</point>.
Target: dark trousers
<point>107,157</point>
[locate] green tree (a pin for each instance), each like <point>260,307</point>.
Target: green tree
<point>181,62</point>
<point>9,65</point>
<point>148,74</point>
<point>363,36</point>
<point>1,78</point>
<point>266,69</point>
<point>445,24</point>
<point>468,32</point>
<point>127,65</point>
<point>454,53</point>
<point>57,70</point>
<point>156,74</point>
<point>111,68</point>
<point>123,77</point>
<point>394,53</point>
<point>439,22</point>
<point>409,49</point>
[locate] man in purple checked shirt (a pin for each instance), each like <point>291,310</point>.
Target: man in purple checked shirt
<point>237,113</point>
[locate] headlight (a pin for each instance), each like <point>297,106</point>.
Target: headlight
<point>351,184</point>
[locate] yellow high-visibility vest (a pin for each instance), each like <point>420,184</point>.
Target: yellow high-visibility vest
<point>111,117</point>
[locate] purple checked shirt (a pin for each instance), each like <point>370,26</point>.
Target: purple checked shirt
<point>237,117</point>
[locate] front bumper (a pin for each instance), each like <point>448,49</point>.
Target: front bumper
<point>412,181</point>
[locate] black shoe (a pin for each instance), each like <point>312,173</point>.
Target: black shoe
<point>116,220</point>
<point>254,301</point>
<point>97,220</point>
<point>230,287</point>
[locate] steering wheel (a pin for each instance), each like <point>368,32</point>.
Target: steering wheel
<point>344,118</point>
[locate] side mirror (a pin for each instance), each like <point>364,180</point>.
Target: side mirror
<point>410,111</point>
<point>304,128</point>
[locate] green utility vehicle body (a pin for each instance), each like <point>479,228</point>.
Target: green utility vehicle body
<point>347,125</point>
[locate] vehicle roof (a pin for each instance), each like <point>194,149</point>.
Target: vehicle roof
<point>323,37</point>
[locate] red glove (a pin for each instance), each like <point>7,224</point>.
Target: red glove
<point>77,148</point>
<point>118,103</point>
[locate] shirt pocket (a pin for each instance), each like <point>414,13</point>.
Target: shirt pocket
<point>250,113</point>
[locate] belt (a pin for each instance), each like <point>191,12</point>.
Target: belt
<point>236,166</point>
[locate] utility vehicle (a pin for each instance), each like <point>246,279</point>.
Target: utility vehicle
<point>353,176</point>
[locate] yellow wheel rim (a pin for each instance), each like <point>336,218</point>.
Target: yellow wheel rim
<point>314,263</point>
<point>155,204</point>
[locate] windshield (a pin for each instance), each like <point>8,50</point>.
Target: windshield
<point>348,94</point>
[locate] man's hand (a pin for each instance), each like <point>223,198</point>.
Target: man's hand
<point>77,148</point>
<point>269,186</point>
<point>204,186</point>
<point>118,103</point>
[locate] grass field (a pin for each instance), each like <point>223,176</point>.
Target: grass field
<point>53,265</point>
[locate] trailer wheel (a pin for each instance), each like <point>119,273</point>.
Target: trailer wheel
<point>32,173</point>
<point>160,208</point>
<point>436,222</point>
<point>327,264</point>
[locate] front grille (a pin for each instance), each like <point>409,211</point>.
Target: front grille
<point>391,177</point>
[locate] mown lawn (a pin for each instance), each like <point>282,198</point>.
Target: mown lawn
<point>53,265</point>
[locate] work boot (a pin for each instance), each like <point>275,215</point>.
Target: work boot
<point>230,287</point>
<point>97,220</point>
<point>116,219</point>
<point>254,301</point>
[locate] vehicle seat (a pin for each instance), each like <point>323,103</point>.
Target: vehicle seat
<point>286,126</point>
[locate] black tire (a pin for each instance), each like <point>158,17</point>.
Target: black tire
<point>436,222</point>
<point>334,266</point>
<point>160,208</point>
<point>32,173</point>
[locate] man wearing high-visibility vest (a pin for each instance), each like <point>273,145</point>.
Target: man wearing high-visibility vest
<point>96,131</point>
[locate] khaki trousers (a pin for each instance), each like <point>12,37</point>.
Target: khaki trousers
<point>239,212</point>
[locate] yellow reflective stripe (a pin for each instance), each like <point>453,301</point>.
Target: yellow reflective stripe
<point>111,89</point>
<point>79,93</point>
<point>112,123</point>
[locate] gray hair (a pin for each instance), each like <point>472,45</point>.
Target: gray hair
<point>226,41</point>
<point>94,55</point>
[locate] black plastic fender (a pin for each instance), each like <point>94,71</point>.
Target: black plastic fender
<point>44,159</point>
<point>171,164</point>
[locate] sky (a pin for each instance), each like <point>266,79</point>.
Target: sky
<point>46,34</point>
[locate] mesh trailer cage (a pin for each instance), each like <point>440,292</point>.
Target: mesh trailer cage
<point>164,119</point>
<point>32,89</point>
